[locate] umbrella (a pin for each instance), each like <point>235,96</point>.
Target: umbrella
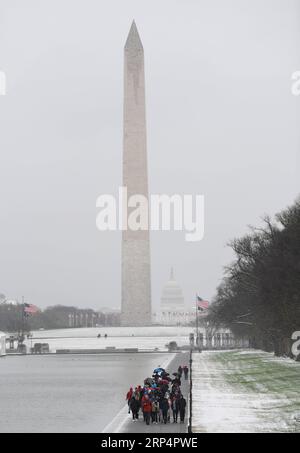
<point>158,370</point>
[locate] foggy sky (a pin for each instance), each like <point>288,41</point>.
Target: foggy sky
<point>221,122</point>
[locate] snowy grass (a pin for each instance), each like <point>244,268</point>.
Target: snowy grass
<point>245,392</point>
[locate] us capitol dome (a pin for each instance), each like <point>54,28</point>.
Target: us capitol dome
<point>172,307</point>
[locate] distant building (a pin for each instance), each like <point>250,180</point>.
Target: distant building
<point>10,302</point>
<point>172,308</point>
<point>2,344</point>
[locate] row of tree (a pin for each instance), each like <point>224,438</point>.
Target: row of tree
<point>260,293</point>
<point>56,317</point>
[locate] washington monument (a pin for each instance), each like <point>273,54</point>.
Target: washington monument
<point>136,279</point>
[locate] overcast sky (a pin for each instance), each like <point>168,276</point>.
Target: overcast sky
<point>221,122</point>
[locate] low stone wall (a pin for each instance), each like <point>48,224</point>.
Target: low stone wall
<point>96,351</point>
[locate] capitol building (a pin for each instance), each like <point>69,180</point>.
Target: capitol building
<point>173,311</point>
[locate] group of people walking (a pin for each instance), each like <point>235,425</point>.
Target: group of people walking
<point>160,397</point>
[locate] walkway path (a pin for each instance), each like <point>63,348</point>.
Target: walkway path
<point>140,427</point>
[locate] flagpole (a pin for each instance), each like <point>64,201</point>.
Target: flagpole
<point>23,320</point>
<point>197,324</point>
<point>23,316</point>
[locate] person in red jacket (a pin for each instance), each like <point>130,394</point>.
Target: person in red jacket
<point>143,400</point>
<point>147,409</point>
<point>128,398</point>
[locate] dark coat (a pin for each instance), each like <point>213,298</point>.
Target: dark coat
<point>181,404</point>
<point>164,405</point>
<point>134,405</point>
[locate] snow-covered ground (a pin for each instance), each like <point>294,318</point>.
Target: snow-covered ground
<point>245,391</point>
<point>150,331</point>
<point>146,338</point>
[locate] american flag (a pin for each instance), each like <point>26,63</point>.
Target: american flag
<point>30,309</point>
<point>202,305</point>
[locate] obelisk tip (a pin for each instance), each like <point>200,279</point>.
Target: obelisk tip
<point>133,39</point>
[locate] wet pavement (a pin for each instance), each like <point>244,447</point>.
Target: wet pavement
<point>140,427</point>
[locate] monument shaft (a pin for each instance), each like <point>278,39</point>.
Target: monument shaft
<point>136,280</point>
